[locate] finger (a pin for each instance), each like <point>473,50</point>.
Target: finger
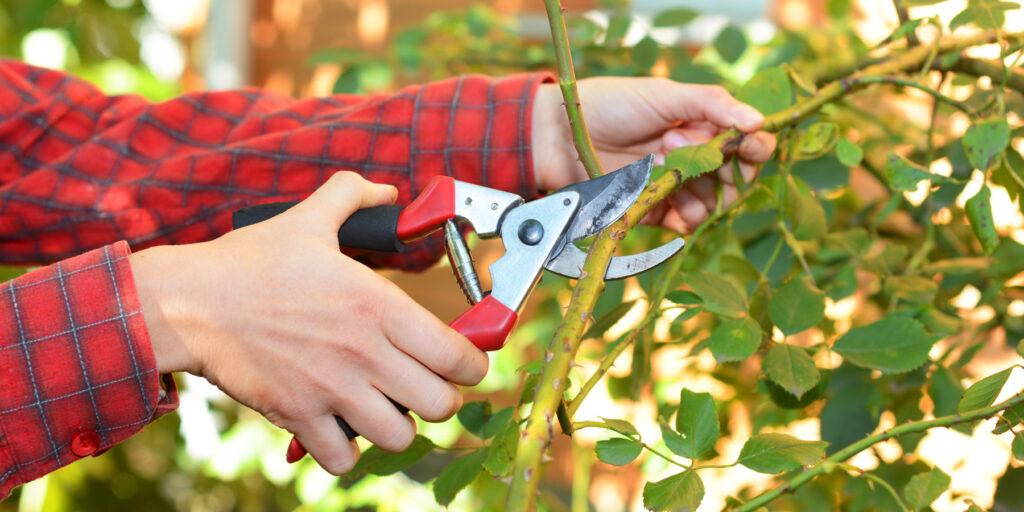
<point>374,416</point>
<point>689,208</point>
<point>729,195</point>
<point>419,389</point>
<point>703,188</point>
<point>757,147</point>
<point>655,215</point>
<point>679,137</point>
<point>747,171</point>
<point>322,438</point>
<point>672,220</point>
<point>418,333</point>
<point>690,102</point>
<point>343,193</point>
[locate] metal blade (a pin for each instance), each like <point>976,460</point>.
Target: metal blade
<point>569,262</point>
<point>604,200</point>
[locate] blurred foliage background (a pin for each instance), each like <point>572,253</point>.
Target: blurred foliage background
<point>215,456</point>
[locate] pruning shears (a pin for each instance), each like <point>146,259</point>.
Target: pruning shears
<point>537,235</point>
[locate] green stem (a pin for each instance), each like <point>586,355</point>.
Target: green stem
<point>570,93</point>
<point>880,481</point>
<point>919,86</point>
<point>799,479</point>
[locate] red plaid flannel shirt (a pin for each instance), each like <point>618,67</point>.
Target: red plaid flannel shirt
<point>81,171</point>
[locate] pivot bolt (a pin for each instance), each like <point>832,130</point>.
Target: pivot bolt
<point>531,232</point>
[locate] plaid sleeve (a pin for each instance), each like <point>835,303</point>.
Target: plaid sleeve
<point>78,370</point>
<point>79,169</point>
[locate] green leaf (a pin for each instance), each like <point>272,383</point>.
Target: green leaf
<point>496,422</point>
<point>621,426</point>
<point>730,43</point>
<point>457,475</point>
<point>674,17</point>
<point>1017,447</point>
<point>797,306</point>
<point>905,29</point>
<point>735,339</point>
<point>676,443</point>
<point>817,140</point>
<point>681,492</point>
<point>697,421</point>
<point>618,25</point>
<point>502,450</point>
<point>693,161</point>
<point>984,141</point>
<point>894,344</point>
<point>683,298</point>
<point>983,393</point>
<point>989,14</point>
<point>804,213</point>
<point>1010,174</point>
<point>904,175</point>
<point>914,289</point>
<point>775,453</point>
<point>979,213</point>
<point>924,488</point>
<point>792,368</point>
<point>645,53</point>
<point>474,415</point>
<point>849,153</point>
<point>618,451</point>
<point>376,461</point>
<point>719,294</point>
<point>601,325</point>
<point>768,91</point>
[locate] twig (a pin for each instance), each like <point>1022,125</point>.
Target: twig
<point>567,83</point>
<point>803,477</point>
<point>880,481</point>
<point>919,86</point>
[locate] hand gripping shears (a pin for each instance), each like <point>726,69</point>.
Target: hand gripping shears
<point>538,234</point>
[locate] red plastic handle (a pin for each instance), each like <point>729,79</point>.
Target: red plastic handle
<point>487,324</point>
<point>429,211</point>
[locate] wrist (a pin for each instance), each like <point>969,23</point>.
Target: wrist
<point>168,307</point>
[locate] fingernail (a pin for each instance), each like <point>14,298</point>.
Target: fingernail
<point>295,451</point>
<point>675,140</point>
<point>747,116</point>
<point>659,159</point>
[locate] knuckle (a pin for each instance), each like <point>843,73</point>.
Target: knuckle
<point>339,464</point>
<point>399,438</point>
<point>445,404</point>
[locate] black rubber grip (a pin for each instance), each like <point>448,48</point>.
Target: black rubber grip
<point>373,229</point>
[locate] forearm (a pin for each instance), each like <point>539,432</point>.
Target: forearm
<point>173,172</point>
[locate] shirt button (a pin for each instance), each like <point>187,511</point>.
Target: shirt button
<point>85,443</point>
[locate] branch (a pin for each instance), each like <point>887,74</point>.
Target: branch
<point>567,83</point>
<point>559,358</point>
<point>830,463</point>
<point>983,67</point>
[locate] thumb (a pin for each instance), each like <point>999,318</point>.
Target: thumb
<point>690,102</point>
<point>341,195</point>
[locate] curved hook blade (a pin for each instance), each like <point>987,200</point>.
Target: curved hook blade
<point>569,262</point>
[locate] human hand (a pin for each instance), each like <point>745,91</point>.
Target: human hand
<point>277,317</point>
<point>631,117</point>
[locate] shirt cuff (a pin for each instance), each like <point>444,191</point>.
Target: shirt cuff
<point>78,370</point>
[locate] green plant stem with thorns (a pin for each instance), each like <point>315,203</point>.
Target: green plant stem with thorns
<point>567,83</point>
<point>559,358</point>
